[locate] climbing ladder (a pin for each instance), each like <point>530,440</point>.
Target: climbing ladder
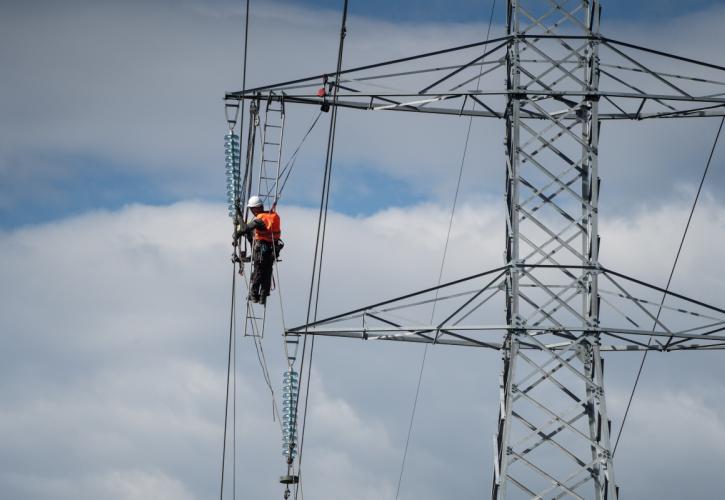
<point>254,320</point>
<point>272,136</point>
<point>268,191</point>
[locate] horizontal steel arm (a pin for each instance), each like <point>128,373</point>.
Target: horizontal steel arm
<point>374,322</point>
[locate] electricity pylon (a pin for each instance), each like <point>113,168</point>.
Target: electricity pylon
<point>563,308</point>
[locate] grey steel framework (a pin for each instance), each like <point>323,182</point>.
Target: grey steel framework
<point>552,205</point>
<point>562,307</point>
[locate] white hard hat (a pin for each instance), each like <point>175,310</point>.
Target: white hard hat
<point>255,202</point>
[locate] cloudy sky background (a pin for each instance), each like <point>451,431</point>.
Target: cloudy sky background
<point>114,246</point>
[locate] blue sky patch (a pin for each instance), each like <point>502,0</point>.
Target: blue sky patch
<point>470,10</point>
<point>40,188</point>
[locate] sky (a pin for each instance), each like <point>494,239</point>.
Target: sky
<point>114,256</point>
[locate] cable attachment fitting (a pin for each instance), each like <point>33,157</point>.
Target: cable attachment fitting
<point>323,91</point>
<point>254,110</point>
<point>287,480</point>
<point>231,113</point>
<point>517,265</point>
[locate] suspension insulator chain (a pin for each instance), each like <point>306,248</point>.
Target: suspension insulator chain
<point>232,156</point>
<point>290,390</point>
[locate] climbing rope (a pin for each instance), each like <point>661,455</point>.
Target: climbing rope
<point>440,272</point>
<point>667,288</point>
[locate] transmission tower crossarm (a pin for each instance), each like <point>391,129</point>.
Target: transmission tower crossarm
<point>387,320</point>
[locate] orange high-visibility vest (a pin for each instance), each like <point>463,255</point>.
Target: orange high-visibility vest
<point>272,227</point>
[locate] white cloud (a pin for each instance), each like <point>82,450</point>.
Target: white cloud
<point>683,427</point>
<point>118,485</point>
<point>115,334</point>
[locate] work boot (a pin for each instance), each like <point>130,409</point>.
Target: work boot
<point>262,300</point>
<point>253,298</point>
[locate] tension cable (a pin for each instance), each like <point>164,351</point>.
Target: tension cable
<point>667,288</point>
<point>440,273</point>
<point>287,170</point>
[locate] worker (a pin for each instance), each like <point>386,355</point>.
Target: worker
<point>264,232</point>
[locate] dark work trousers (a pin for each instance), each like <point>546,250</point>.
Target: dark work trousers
<point>263,260</point>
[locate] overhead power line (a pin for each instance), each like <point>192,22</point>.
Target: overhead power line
<point>319,248</point>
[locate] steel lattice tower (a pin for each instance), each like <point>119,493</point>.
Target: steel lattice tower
<point>565,235</point>
<point>562,307</point>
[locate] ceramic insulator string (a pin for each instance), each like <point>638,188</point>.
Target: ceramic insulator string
<point>290,389</point>
<point>232,160</point>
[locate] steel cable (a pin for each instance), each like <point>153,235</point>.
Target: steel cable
<point>234,392</point>
<point>229,366</point>
<point>440,273</point>
<point>669,281</point>
<point>232,322</point>
<point>291,162</point>
<point>319,247</point>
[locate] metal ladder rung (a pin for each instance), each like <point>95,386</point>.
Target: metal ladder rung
<point>271,150</point>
